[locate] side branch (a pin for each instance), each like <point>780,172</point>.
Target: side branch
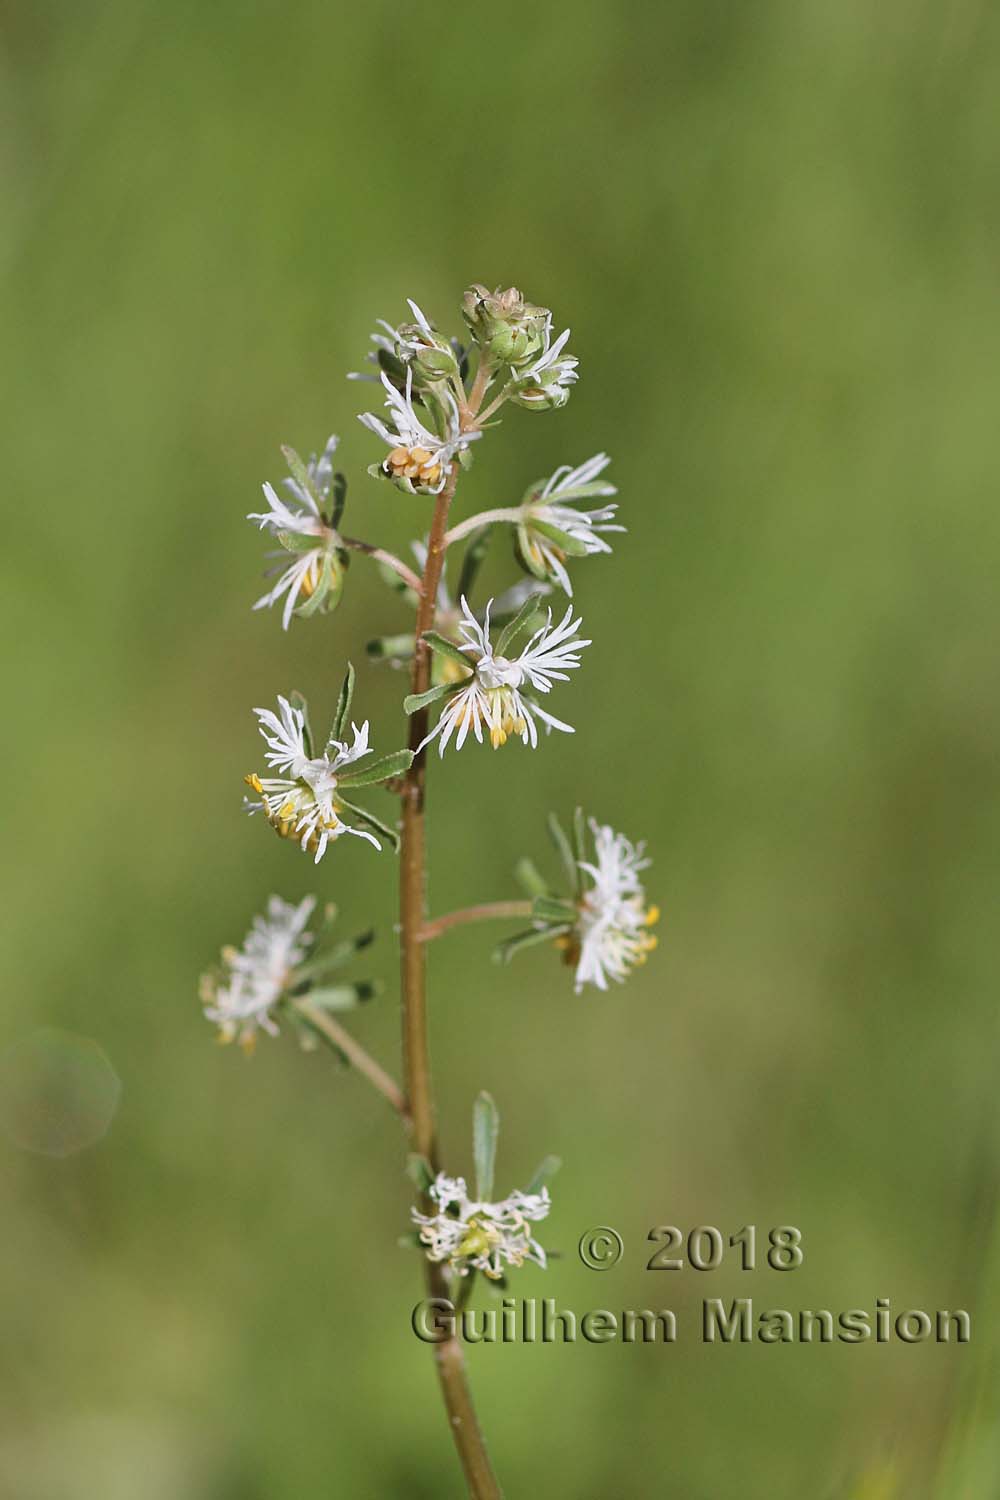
<point>379,554</point>
<point>334,1033</point>
<point>487,911</point>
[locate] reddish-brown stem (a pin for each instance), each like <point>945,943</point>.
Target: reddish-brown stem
<point>488,911</point>
<point>448,1355</point>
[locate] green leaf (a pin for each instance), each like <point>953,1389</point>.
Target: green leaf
<point>339,499</point>
<point>377,770</point>
<point>520,620</point>
<point>334,958</point>
<point>300,472</point>
<point>485,1130</point>
<point>391,647</point>
<point>343,706</point>
<point>544,1172</point>
<point>579,837</point>
<point>546,909</point>
<point>572,546</point>
<point>392,834</point>
<point>294,541</point>
<point>419,1171</point>
<point>297,700</point>
<point>529,878</point>
<point>342,996</point>
<point>318,598</point>
<point>444,647</point>
<point>565,850</point>
<point>472,560</point>
<point>504,952</point>
<point>415,701</point>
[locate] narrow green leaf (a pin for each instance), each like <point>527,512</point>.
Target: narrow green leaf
<point>334,958</point>
<point>444,647</point>
<point>504,952</point>
<point>338,499</point>
<point>362,813</point>
<point>529,878</point>
<point>546,909</point>
<point>485,1130</point>
<point>544,1172</point>
<point>391,647</point>
<point>568,544</point>
<point>318,598</point>
<point>415,701</point>
<point>472,560</point>
<point>419,1171</point>
<point>579,838</point>
<point>300,473</point>
<point>297,700</point>
<point>343,705</point>
<point>564,848</point>
<point>294,541</point>
<point>520,620</point>
<point>342,996</point>
<point>377,770</point>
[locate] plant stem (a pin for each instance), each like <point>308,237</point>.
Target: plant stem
<point>391,561</point>
<point>334,1033</point>
<point>485,518</point>
<point>487,912</point>
<point>448,1355</point>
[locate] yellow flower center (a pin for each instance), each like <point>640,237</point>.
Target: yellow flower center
<point>416,464</point>
<point>507,723</point>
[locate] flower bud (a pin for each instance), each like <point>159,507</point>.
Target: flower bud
<point>503,324</point>
<point>429,354</point>
<point>541,395</point>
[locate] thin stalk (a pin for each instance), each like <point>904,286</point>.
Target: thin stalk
<point>488,911</point>
<point>334,1033</point>
<point>484,518</point>
<point>391,561</point>
<point>448,1355</point>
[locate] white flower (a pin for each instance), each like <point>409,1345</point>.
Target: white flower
<point>419,458</point>
<point>554,506</point>
<point>494,694</point>
<point>546,381</point>
<point>612,935</point>
<point>258,974</point>
<point>481,1236</point>
<point>314,569</point>
<point>303,805</point>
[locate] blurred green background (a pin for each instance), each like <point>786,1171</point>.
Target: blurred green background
<point>773,230</point>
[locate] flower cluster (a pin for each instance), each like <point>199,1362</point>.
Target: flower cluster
<point>551,528</point>
<point>474,1233</point>
<point>419,458</point>
<point>602,928</point>
<point>307,529</point>
<point>486,668</point>
<point>272,969</point>
<point>481,1236</point>
<point>497,691</point>
<point>308,802</point>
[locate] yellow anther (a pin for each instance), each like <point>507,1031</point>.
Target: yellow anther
<point>309,579</point>
<point>652,916</point>
<point>254,780</point>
